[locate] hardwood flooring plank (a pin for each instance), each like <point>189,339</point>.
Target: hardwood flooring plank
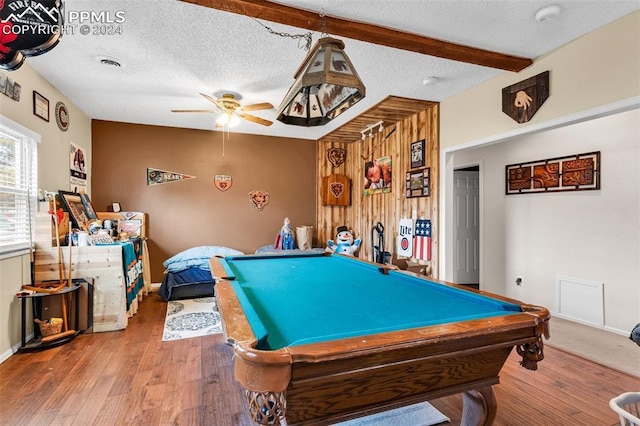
<point>131,377</point>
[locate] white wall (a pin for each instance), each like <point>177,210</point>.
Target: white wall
<point>53,174</point>
<point>599,68</point>
<point>591,235</point>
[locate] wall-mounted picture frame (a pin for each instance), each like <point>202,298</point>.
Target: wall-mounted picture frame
<point>579,172</point>
<point>77,214</point>
<point>418,183</point>
<point>40,106</point>
<point>417,154</point>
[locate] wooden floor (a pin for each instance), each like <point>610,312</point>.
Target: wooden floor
<point>132,377</point>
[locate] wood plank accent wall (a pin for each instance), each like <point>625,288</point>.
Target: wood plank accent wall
<point>366,210</point>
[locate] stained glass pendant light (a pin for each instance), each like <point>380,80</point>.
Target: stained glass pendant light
<point>326,85</point>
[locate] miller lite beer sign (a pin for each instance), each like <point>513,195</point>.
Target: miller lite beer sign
<point>405,238</point>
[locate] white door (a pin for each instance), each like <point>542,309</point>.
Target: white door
<point>466,232</point>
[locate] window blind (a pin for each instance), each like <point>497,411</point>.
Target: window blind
<point>18,186</point>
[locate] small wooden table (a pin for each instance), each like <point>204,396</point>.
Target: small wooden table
<point>37,343</point>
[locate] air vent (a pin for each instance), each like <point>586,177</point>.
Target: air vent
<point>111,62</point>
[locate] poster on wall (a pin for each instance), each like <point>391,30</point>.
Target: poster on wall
<point>77,169</point>
<point>377,176</point>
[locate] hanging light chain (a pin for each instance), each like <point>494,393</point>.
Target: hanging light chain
<point>302,38</point>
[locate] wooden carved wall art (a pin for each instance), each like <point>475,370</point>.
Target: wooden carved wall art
<point>336,156</point>
<point>157,176</point>
<point>570,173</point>
<point>259,199</point>
<point>418,183</point>
<point>222,182</point>
<point>336,190</point>
<point>522,100</point>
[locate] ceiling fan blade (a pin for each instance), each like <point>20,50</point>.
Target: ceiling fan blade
<point>194,110</point>
<point>212,100</point>
<point>255,119</point>
<point>256,107</point>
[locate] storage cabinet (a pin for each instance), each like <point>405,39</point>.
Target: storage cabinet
<point>103,264</point>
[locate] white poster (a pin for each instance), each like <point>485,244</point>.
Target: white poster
<point>77,169</point>
<point>405,238</point>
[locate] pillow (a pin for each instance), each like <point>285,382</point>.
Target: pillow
<point>197,257</point>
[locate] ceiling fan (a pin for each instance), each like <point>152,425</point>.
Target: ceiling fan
<point>231,109</point>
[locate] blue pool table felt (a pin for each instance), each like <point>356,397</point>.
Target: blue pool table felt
<point>295,300</point>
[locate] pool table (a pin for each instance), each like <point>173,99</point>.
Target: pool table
<point>324,338</point>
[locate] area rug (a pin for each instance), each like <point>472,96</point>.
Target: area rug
<point>191,318</point>
<point>422,414</point>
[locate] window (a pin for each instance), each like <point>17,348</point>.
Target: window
<point>18,186</point>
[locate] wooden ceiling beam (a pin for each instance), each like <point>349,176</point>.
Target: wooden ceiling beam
<point>300,18</point>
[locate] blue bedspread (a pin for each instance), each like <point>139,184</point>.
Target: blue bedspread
<point>189,283</point>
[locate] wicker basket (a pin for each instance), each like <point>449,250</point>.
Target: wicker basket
<point>47,329</point>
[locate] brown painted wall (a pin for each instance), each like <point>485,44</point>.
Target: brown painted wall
<point>193,212</point>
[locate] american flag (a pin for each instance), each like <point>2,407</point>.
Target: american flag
<point>422,240</point>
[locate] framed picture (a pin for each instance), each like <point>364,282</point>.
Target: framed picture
<point>40,106</point>
<point>578,172</point>
<point>418,183</point>
<point>417,154</point>
<point>115,207</point>
<point>77,213</point>
<point>17,89</point>
<point>88,207</point>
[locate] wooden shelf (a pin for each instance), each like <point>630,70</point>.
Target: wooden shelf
<point>39,342</point>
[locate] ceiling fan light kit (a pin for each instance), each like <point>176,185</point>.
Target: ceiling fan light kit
<point>326,85</point>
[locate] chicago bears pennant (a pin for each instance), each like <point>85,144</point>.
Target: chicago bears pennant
<point>157,177</point>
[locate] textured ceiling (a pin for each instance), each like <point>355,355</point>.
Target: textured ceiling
<point>171,51</point>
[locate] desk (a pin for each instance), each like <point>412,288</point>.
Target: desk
<point>331,337</point>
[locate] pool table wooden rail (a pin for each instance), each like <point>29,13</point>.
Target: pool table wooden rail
<point>328,382</point>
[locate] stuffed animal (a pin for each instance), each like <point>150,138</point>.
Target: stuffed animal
<point>284,240</point>
<point>344,244</point>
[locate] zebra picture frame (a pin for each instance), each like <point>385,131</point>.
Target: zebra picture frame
<point>578,172</point>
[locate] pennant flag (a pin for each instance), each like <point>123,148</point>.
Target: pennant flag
<point>422,240</point>
<point>405,238</point>
<point>157,177</point>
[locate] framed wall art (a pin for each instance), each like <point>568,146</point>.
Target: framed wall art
<point>418,183</point>
<point>40,106</point>
<point>417,154</point>
<point>577,172</point>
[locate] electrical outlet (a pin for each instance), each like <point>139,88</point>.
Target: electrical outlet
<point>518,280</point>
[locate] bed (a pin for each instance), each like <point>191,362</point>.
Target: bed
<point>188,275</point>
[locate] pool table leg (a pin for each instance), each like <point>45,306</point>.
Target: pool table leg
<point>266,408</point>
<point>479,407</point>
